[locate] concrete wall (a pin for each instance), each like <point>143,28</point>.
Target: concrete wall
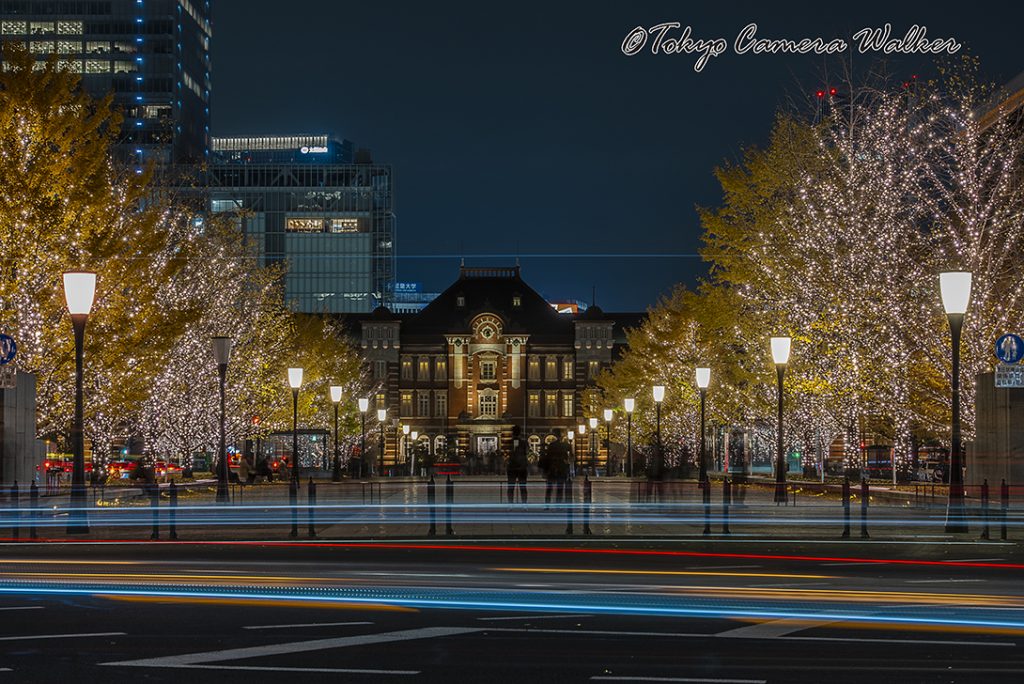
<point>20,451</point>
<point>998,449</point>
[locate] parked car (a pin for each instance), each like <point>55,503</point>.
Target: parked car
<point>121,469</point>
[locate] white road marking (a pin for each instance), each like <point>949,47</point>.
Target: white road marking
<point>594,632</point>
<point>307,624</point>
<point>942,581</point>
<point>294,669</point>
<point>609,678</point>
<point>769,630</point>
<point>22,608</point>
<point>533,617</point>
<point>191,659</point>
<point>59,636</point>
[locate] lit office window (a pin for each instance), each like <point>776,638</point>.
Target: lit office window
<point>534,405</point>
<point>568,410</point>
<point>95,66</point>
<point>42,28</point>
<point>568,369</point>
<point>305,225</point>
<point>69,28</point>
<point>41,47</point>
<point>551,405</point>
<point>97,47</point>
<point>69,46</point>
<point>344,225</point>
<point>14,28</point>
<point>125,67</point>
<point>488,405</point>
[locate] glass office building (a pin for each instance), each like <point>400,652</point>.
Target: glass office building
<point>309,202</point>
<point>154,55</point>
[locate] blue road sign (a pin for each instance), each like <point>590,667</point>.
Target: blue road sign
<point>1010,348</point>
<point>8,349</point>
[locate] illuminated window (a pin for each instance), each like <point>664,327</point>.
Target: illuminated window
<point>534,405</point>
<point>41,47</point>
<point>488,369</point>
<point>14,28</point>
<point>488,405</point>
<point>568,371</point>
<point>550,404</point>
<point>381,401</point>
<point>125,67</point>
<point>441,369</point>
<point>95,66</point>
<point>593,368</point>
<point>568,410</point>
<point>423,373</point>
<point>69,46</point>
<point>97,47</point>
<point>344,225</point>
<point>534,368</point>
<point>406,403</point>
<point>407,369</point>
<point>305,225</point>
<point>69,27</point>
<point>551,368</point>
<point>517,301</point>
<point>42,28</point>
<point>423,404</point>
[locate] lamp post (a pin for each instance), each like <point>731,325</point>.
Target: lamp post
<point>703,380</point>
<point>593,442</point>
<point>295,381</point>
<point>221,355</point>
<point>582,427</point>
<point>79,292</point>
<point>364,406</point>
<point>629,404</point>
<point>659,396</point>
<point>382,415</point>
<point>405,441</point>
<point>412,453</point>
<point>608,440</point>
<point>336,469</point>
<point>955,287</point>
<point>780,354</point>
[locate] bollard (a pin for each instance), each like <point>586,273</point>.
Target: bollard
<point>154,506</point>
<point>864,496</point>
<point>293,500</point>
<point>15,512</point>
<point>846,508</point>
<point>588,498</point>
<point>1004,505</point>
<point>449,500</point>
<point>726,500</point>
<point>172,515</point>
<point>984,508</point>
<point>569,501</point>
<point>432,505</point>
<point>33,504</point>
<point>311,497</point>
<point>705,486</point>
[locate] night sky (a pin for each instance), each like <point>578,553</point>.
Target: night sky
<point>522,128</point>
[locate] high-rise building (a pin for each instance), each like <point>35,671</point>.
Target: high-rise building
<point>154,55</point>
<point>307,201</point>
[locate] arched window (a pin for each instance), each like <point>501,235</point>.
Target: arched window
<point>440,444</point>
<point>534,442</point>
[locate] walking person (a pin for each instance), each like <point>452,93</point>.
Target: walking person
<point>559,456</point>
<point>518,464</point>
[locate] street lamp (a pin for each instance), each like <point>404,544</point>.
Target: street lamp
<point>703,380</point>
<point>336,398</point>
<point>780,354</point>
<point>608,440</point>
<point>382,415</point>
<point>659,396</point>
<point>405,437</point>
<point>955,287</point>
<point>412,457</point>
<point>295,382</point>
<point>593,441</point>
<point>364,406</point>
<point>630,404</point>
<point>221,355</point>
<point>582,427</point>
<point>79,292</point>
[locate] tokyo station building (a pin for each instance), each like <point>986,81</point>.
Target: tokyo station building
<point>488,353</point>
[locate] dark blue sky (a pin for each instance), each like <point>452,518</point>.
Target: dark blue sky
<point>521,126</point>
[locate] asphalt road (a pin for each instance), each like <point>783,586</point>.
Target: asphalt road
<point>496,611</point>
